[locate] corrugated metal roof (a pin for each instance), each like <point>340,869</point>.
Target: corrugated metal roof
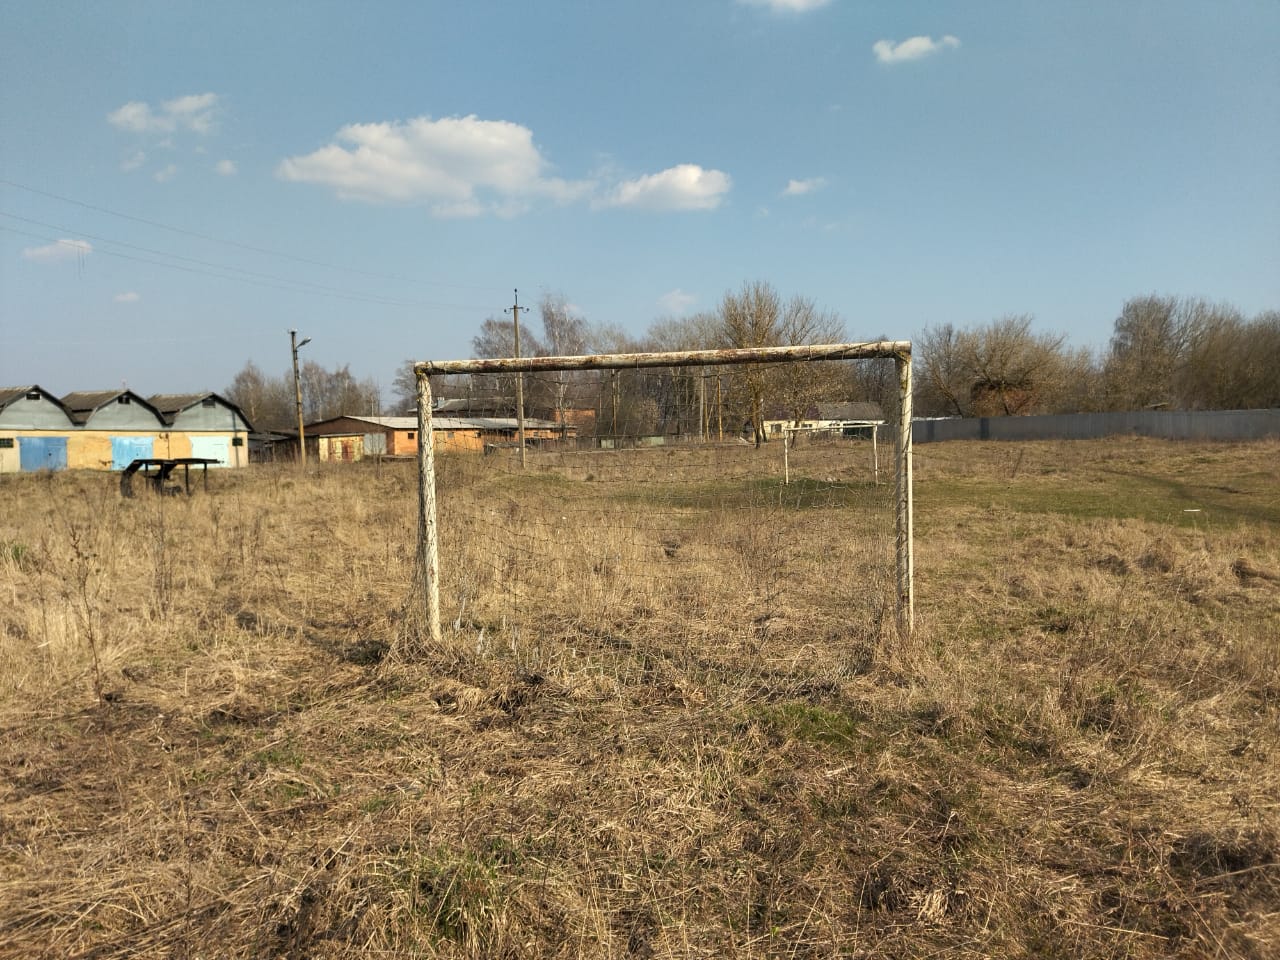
<point>177,402</point>
<point>172,404</point>
<point>89,399</point>
<point>10,394</point>
<point>850,411</point>
<point>459,423</point>
<point>395,423</point>
<point>82,404</point>
<point>492,423</point>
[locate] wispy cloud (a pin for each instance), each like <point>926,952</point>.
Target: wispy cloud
<point>787,6</point>
<point>129,296</point>
<point>459,166</point>
<point>165,174</point>
<point>58,250</point>
<point>913,48</point>
<point>798,188</point>
<point>683,187</point>
<point>226,168</point>
<point>194,112</point>
<point>133,162</point>
<point>676,301</point>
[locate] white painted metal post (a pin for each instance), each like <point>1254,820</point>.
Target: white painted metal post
<point>905,554</point>
<point>875,453</point>
<point>786,462</point>
<point>428,546</point>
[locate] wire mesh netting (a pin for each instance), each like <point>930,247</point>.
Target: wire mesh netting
<point>704,538</point>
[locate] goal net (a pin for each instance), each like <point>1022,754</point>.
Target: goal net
<point>683,498</point>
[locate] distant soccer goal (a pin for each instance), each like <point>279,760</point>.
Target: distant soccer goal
<point>671,507</point>
<point>832,434</point>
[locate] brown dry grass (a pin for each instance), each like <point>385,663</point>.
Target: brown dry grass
<point>215,744</point>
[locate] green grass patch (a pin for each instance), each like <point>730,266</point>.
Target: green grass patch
<point>834,730</point>
<point>1125,495</point>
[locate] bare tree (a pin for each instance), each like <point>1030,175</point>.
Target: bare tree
<point>944,380</point>
<point>497,338</point>
<point>335,393</point>
<point>266,401</point>
<point>1001,368</point>
<point>752,318</point>
<point>1013,369</point>
<point>404,388</point>
<point>564,333</point>
<point>325,394</point>
<point>799,386</point>
<point>1148,349</point>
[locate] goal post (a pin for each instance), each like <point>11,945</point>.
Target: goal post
<point>899,351</point>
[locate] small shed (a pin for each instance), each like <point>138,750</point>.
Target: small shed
<point>363,437</point>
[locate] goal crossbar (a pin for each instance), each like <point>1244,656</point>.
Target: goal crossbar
<point>897,350</point>
<point>679,358</point>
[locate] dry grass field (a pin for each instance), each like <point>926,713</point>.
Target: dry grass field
<point>670,716</point>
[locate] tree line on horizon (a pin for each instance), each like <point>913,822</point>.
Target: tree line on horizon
<point>1165,352</point>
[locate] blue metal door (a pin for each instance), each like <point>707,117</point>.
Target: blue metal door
<point>42,453</point>
<point>125,450</point>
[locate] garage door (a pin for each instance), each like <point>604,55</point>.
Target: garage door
<point>42,453</point>
<point>125,450</point>
<point>214,448</point>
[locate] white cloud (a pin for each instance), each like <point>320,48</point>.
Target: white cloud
<point>460,166</point>
<point>194,112</point>
<point>166,174</point>
<point>129,296</point>
<point>226,168</point>
<point>133,162</point>
<point>798,188</point>
<point>683,187</point>
<point>58,250</point>
<point>913,48</point>
<point>787,6</point>
<point>676,301</point>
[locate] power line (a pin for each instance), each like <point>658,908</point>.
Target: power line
<point>234,243</point>
<point>261,280</point>
<point>316,287</point>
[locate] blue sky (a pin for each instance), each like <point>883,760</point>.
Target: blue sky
<point>183,182</point>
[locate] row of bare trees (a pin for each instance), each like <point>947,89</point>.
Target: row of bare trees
<point>270,401</point>
<point>713,402</point>
<point>1165,353</point>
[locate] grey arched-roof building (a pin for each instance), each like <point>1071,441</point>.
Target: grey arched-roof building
<point>109,429</point>
<point>200,411</point>
<point>32,408</point>
<point>112,409</point>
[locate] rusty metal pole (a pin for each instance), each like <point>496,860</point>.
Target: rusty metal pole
<point>906,606</point>
<point>428,542</point>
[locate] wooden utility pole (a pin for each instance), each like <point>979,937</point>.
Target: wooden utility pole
<point>515,319</point>
<point>294,346</point>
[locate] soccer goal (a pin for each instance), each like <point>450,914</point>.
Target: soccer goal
<point>632,523</point>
